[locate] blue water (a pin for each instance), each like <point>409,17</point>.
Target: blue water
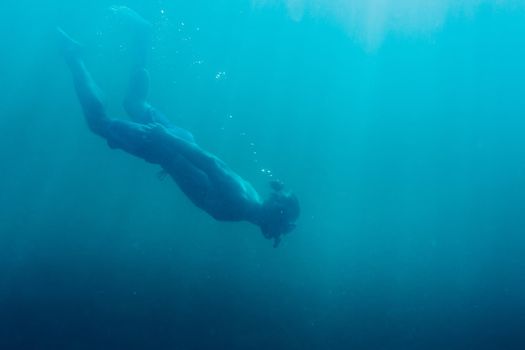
<point>399,126</point>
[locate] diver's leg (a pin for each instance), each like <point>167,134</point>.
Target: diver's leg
<point>135,102</point>
<point>87,90</point>
<point>141,29</point>
<point>131,137</point>
<point>136,99</point>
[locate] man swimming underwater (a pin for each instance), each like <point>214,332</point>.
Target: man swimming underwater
<point>207,181</point>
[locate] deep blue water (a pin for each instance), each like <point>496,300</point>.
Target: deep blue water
<point>401,128</point>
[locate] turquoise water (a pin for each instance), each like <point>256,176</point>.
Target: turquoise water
<point>399,126</point>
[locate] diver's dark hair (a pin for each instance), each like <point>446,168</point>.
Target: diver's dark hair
<point>277,185</point>
<point>281,211</point>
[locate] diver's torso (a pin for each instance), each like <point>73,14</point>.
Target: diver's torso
<point>224,194</point>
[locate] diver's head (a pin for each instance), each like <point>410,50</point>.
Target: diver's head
<point>279,212</point>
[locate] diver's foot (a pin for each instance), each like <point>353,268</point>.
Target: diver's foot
<point>69,47</point>
<point>131,18</point>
